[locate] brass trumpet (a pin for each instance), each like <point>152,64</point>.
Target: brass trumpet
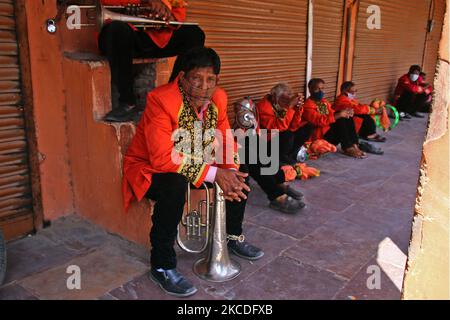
<point>201,230</point>
<point>133,14</point>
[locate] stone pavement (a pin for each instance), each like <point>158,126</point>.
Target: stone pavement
<point>357,224</point>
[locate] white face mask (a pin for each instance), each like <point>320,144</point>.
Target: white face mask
<point>414,77</point>
<point>351,96</point>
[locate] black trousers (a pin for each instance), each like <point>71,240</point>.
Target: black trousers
<point>411,103</point>
<point>168,190</point>
<point>120,44</point>
<point>270,184</point>
<point>291,142</point>
<point>342,131</point>
<point>368,126</point>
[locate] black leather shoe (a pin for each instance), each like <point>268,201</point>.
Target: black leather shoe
<point>416,115</point>
<point>297,195</point>
<point>245,250</point>
<point>120,114</point>
<point>370,148</point>
<point>289,205</point>
<point>173,283</point>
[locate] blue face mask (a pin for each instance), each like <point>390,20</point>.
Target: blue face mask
<point>318,95</point>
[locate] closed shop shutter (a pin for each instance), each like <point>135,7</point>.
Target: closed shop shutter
<point>260,43</point>
<point>16,215</point>
<point>328,20</point>
<point>384,55</point>
<point>433,38</point>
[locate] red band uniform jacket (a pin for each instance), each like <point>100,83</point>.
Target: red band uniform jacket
<point>343,102</point>
<point>406,84</point>
<point>320,115</point>
<point>153,149</point>
<point>272,119</point>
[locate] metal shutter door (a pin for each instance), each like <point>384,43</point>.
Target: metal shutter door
<point>328,20</point>
<point>382,56</point>
<point>260,43</point>
<point>16,215</point>
<point>432,43</point>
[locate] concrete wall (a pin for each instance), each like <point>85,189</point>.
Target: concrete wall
<point>427,274</point>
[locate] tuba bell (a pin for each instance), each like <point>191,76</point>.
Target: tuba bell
<point>204,229</point>
<point>246,114</point>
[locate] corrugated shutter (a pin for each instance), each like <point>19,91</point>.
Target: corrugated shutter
<point>260,43</point>
<point>432,44</point>
<point>382,56</point>
<point>328,20</point>
<point>16,216</point>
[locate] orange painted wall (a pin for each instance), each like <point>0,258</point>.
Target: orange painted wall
<point>96,149</point>
<point>49,105</point>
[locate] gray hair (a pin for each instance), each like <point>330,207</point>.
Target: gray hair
<point>279,89</point>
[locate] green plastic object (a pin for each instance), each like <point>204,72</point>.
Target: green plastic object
<point>396,119</point>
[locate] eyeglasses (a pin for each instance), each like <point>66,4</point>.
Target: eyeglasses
<point>198,81</point>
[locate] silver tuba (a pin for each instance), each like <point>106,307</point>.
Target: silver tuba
<point>246,114</point>
<point>204,229</point>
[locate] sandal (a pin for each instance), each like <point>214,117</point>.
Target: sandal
<point>354,153</point>
<point>377,138</point>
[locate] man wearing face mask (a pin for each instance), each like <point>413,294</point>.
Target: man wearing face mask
<point>282,110</point>
<point>337,127</point>
<point>163,158</point>
<point>364,124</point>
<point>410,94</point>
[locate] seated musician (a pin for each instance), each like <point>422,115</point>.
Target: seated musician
<point>120,42</point>
<point>411,93</point>
<point>364,123</point>
<point>281,110</point>
<point>281,196</point>
<point>336,127</point>
<point>158,168</point>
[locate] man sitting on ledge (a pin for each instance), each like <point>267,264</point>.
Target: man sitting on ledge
<point>156,167</point>
<point>120,42</point>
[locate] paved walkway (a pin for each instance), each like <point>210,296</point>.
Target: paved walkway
<point>357,224</point>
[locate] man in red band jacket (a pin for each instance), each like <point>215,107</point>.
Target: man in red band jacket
<point>281,110</point>
<point>411,92</point>
<point>164,156</point>
<point>120,42</point>
<point>364,123</point>
<point>336,127</point>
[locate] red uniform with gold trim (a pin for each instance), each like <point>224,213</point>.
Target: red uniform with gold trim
<point>272,119</point>
<point>320,115</point>
<point>152,148</point>
<point>343,102</point>
<point>160,37</point>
